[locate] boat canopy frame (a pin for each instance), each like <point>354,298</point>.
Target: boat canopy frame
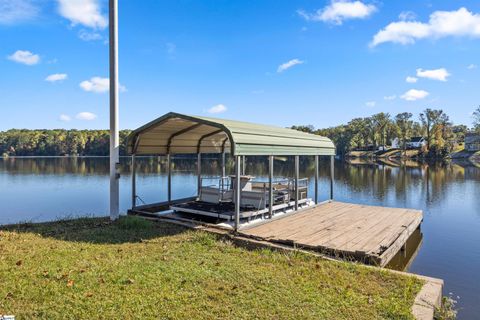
<point>175,133</point>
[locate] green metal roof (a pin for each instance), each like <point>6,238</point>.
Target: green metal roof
<point>176,133</point>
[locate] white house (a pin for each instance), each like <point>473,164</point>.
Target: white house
<point>416,142</point>
<point>472,142</point>
<point>396,143</point>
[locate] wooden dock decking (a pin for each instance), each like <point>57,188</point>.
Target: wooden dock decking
<point>369,234</point>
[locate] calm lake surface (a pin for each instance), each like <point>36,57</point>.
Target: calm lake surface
<point>44,189</point>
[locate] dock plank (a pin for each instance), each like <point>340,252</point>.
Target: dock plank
<point>368,233</point>
<point>314,221</point>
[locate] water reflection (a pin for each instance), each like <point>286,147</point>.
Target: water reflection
<point>405,257</point>
<point>378,177</point>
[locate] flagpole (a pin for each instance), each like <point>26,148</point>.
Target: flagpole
<point>114,135</point>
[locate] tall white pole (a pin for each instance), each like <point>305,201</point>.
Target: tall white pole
<point>114,136</point>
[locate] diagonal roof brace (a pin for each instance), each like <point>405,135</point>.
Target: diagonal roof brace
<point>176,134</point>
<point>206,136</point>
<point>223,144</point>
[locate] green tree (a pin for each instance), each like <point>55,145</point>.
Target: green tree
<point>476,119</point>
<point>380,122</point>
<point>405,127</point>
<point>359,131</point>
<point>308,128</point>
<point>430,119</point>
<point>459,132</point>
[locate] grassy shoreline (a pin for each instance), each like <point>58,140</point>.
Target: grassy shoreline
<point>133,268</point>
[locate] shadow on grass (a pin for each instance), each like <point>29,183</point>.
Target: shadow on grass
<point>99,230</point>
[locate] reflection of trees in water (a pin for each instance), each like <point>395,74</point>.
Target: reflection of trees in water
<point>55,166</point>
<point>431,179</point>
<point>211,165</point>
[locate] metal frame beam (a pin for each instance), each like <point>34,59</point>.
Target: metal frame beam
<point>297,174</point>
<point>223,159</point>
<point>176,134</point>
<point>134,182</point>
<point>316,179</point>
<point>244,163</point>
<point>134,172</point>
<point>223,144</point>
<point>237,191</point>
<point>206,136</point>
<point>169,179</point>
<point>270,186</point>
<point>332,175</point>
<point>199,173</point>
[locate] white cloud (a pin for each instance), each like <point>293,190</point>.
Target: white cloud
<point>84,12</point>
<point>16,11</point>
<point>219,108</point>
<point>86,116</point>
<point>56,77</point>
<point>96,84</point>
<point>99,85</point>
<point>436,74</point>
<point>89,36</point>
<point>414,94</point>
<point>288,65</point>
<point>339,10</point>
<point>410,79</point>
<point>407,15</point>
<point>64,117</point>
<point>440,24</point>
<point>392,97</point>
<point>371,104</point>
<point>472,66</point>
<point>25,57</point>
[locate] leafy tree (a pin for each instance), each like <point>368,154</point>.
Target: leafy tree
<point>380,122</point>
<point>430,119</point>
<point>459,131</point>
<point>58,142</point>
<point>360,132</point>
<point>476,119</point>
<point>308,128</point>
<point>405,127</point>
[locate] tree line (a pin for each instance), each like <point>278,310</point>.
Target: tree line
<point>380,129</point>
<point>58,142</point>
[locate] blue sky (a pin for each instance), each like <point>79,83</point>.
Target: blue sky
<point>279,62</point>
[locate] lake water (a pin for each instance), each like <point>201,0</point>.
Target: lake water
<point>43,189</point>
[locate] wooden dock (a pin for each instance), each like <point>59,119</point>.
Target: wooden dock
<point>368,234</point>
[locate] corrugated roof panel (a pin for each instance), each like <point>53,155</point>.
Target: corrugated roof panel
<point>185,134</point>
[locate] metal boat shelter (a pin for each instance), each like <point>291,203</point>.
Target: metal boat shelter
<point>176,133</point>
<point>273,211</point>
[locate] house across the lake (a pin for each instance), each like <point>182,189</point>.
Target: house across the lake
<point>396,143</point>
<point>472,142</point>
<point>416,143</point>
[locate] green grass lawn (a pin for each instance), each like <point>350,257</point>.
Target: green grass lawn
<point>94,269</point>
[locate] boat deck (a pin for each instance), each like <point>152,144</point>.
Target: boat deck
<point>226,210</point>
<point>369,234</point>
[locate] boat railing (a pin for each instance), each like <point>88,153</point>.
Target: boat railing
<point>215,189</point>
